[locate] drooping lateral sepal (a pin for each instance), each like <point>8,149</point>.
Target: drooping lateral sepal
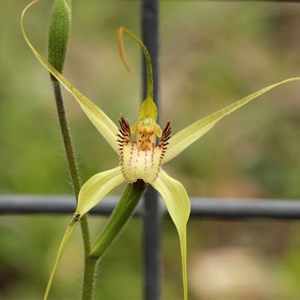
<point>66,237</point>
<point>91,193</point>
<point>178,206</point>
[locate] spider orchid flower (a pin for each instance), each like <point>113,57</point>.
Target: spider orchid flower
<point>141,157</point>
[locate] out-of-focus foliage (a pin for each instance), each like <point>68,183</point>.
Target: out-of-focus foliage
<point>212,53</point>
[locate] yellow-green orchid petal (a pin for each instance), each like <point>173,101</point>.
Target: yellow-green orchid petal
<point>96,188</point>
<point>190,134</point>
<point>91,193</point>
<point>101,121</point>
<point>178,205</point>
<point>71,227</point>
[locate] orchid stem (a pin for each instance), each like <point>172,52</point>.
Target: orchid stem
<point>118,219</point>
<point>89,268</point>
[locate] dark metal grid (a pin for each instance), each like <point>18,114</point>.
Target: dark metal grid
<point>215,208</point>
<point>152,215</point>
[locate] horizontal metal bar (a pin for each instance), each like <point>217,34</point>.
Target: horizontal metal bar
<point>214,208</point>
<point>225,208</point>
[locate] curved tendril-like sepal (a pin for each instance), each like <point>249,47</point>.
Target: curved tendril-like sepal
<point>101,121</point>
<point>178,206</point>
<point>122,31</point>
<point>148,107</point>
<point>184,138</point>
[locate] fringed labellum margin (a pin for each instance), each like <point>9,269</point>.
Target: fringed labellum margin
<point>142,158</point>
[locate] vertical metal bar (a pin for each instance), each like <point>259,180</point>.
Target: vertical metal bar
<point>152,216</point>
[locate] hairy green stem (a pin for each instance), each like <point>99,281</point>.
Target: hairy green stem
<point>89,267</point>
<point>73,169</point>
<point>118,219</point>
<point>90,272</point>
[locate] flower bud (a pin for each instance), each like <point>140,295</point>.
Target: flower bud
<point>59,31</point>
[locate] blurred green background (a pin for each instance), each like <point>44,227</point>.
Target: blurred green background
<point>212,53</point>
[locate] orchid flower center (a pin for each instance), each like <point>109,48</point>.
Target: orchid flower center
<point>141,158</point>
